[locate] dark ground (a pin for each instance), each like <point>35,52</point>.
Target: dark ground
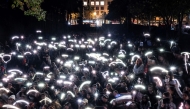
<point>118,31</point>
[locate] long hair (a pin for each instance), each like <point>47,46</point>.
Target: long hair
<point>140,62</point>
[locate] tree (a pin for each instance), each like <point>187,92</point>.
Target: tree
<point>118,10</point>
<point>31,8</point>
<point>88,11</point>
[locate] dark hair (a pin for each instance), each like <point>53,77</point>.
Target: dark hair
<point>187,93</point>
<point>146,97</point>
<point>187,102</point>
<point>115,91</point>
<point>167,94</point>
<point>166,100</point>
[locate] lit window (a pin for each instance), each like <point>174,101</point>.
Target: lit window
<point>97,3</point>
<point>85,3</point>
<point>92,3</point>
<point>102,3</point>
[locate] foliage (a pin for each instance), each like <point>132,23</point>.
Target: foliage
<point>145,8</point>
<point>31,8</point>
<point>117,9</point>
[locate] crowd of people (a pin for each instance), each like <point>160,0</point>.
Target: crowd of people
<point>73,72</point>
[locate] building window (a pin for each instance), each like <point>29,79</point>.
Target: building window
<point>85,3</point>
<point>102,3</point>
<point>92,8</point>
<point>92,3</point>
<point>102,8</point>
<point>97,3</point>
<point>97,8</point>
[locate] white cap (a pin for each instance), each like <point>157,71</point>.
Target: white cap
<point>12,97</point>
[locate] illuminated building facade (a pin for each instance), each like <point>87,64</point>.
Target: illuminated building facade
<point>95,11</point>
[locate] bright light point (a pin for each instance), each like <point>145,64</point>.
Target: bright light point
<point>130,45</point>
<point>77,68</point>
<point>109,46</point>
<point>52,87</point>
<point>147,34</point>
<point>76,58</point>
<point>172,68</point>
<point>134,92</point>
<point>93,72</point>
<point>1,84</point>
<point>131,54</point>
<point>15,37</point>
<point>187,26</point>
<point>94,13</point>
<point>38,31</point>
<point>53,38</point>
<point>34,51</point>
<point>40,37</point>
<point>139,86</point>
<point>161,50</point>
<point>148,53</point>
<point>158,39</point>
<point>158,68</point>
<point>58,60</point>
<point>22,37</point>
<point>122,72</point>
<point>41,85</point>
<point>109,35</point>
<point>158,96</point>
<point>131,76</point>
<point>79,100</point>
<point>96,94</point>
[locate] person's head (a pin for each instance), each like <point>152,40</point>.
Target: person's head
<point>115,92</point>
<point>187,104</point>
<point>171,76</point>
<point>123,84</point>
<point>145,98</point>
<point>186,95</point>
<point>11,99</point>
<point>161,57</point>
<point>105,90</point>
<point>166,101</point>
<point>84,101</point>
<point>139,61</point>
<point>45,107</point>
<point>150,88</point>
<point>105,98</point>
<point>166,95</point>
<point>10,85</point>
<point>2,102</point>
<point>94,86</point>
<point>32,105</point>
<point>83,92</point>
<point>171,90</point>
<point>23,89</point>
<point>109,86</point>
<point>88,95</point>
<point>67,105</point>
<point>68,97</point>
<point>139,48</point>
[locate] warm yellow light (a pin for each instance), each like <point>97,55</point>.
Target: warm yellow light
<point>94,13</point>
